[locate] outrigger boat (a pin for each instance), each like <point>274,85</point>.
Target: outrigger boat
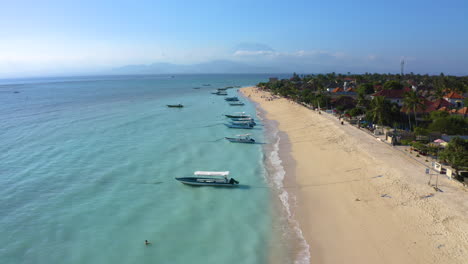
<point>177,105</point>
<point>236,103</point>
<point>238,115</point>
<point>209,178</point>
<point>242,139</point>
<point>222,89</point>
<point>240,126</point>
<point>229,99</point>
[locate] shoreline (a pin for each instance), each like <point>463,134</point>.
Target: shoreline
<point>359,200</point>
<point>284,192</point>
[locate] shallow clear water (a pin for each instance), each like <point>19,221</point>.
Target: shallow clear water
<point>87,169</point>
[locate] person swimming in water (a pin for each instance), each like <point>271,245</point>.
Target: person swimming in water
<point>147,243</point>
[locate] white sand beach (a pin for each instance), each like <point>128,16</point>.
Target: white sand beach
<point>362,201</point>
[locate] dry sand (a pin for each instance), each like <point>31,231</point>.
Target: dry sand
<point>360,200</point>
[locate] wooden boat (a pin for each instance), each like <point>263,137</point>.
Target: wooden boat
<point>176,106</point>
<point>238,115</point>
<point>241,139</point>
<point>236,103</point>
<point>209,178</point>
<point>231,99</point>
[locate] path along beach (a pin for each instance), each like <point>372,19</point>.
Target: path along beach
<point>361,201</point>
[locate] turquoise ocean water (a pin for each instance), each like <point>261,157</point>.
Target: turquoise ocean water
<point>87,169</point>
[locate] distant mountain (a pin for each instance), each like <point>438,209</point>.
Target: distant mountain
<point>218,66</point>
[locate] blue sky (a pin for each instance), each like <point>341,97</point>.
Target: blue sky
<point>73,37</point>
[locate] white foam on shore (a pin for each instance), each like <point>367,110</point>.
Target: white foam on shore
<point>278,176</point>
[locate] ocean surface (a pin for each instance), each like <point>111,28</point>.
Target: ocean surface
<point>87,167</point>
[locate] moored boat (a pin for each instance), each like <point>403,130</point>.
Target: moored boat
<point>241,139</point>
<point>176,105</point>
<point>209,178</point>
<point>236,103</point>
<point>229,99</point>
<point>240,126</point>
<point>247,122</point>
<point>243,119</point>
<point>238,115</point>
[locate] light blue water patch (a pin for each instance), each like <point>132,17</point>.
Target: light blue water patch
<point>87,171</point>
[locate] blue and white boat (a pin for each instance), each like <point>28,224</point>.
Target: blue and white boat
<point>240,126</point>
<point>236,103</point>
<point>241,139</point>
<point>248,122</point>
<point>209,178</point>
<point>243,119</point>
<point>238,115</point>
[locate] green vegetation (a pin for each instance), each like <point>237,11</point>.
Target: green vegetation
<point>456,153</point>
<point>313,90</point>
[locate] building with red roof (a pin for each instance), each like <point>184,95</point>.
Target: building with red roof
<point>455,99</point>
<point>394,96</point>
<point>463,112</point>
<point>337,90</point>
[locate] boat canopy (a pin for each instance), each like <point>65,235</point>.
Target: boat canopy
<point>212,173</point>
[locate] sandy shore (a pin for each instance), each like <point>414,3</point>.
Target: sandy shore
<point>360,200</point>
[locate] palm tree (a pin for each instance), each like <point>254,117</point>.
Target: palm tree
<point>379,110</point>
<point>412,101</point>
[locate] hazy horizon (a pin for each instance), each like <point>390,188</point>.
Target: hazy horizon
<point>87,38</point>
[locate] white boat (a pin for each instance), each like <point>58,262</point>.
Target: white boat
<point>241,139</point>
<point>209,178</point>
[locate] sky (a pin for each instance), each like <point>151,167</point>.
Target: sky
<point>87,37</point>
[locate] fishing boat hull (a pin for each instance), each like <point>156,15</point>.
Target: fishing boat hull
<point>205,181</point>
<point>239,126</point>
<point>243,119</point>
<point>242,123</point>
<point>175,106</point>
<point>237,116</point>
<point>241,140</point>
